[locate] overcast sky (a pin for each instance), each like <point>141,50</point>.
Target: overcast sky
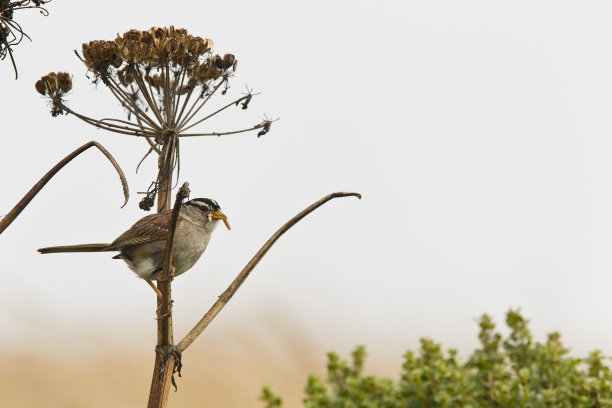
<point>478,132</point>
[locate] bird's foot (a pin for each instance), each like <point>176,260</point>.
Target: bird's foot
<point>152,285</point>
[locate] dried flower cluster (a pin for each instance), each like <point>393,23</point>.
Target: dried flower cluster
<point>11,32</point>
<point>157,48</point>
<point>163,77</point>
<point>54,85</point>
<point>149,71</point>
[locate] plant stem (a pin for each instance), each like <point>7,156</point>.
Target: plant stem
<point>14,213</point>
<point>165,357</point>
<point>229,292</point>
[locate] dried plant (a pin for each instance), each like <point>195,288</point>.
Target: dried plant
<point>163,77</point>
<point>11,32</point>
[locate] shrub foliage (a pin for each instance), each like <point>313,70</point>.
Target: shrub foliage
<point>511,371</point>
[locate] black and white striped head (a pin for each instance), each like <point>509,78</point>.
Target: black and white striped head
<point>206,205</point>
<point>210,208</point>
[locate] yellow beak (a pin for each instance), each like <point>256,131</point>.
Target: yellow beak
<point>218,215</point>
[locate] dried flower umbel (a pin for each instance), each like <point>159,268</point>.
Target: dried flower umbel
<point>162,77</point>
<point>11,32</point>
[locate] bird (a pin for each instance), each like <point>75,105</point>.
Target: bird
<point>142,246</point>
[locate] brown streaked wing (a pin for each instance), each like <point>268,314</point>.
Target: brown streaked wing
<point>151,228</point>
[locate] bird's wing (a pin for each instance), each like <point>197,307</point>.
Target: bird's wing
<point>151,228</point>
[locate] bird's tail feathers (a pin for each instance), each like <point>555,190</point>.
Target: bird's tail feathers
<point>75,248</point>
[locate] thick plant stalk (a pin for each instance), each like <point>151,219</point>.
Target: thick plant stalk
<point>167,359</point>
<point>14,213</point>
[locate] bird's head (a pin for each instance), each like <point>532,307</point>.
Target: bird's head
<point>210,208</point>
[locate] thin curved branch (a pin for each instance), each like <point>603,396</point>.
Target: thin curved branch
<point>124,130</point>
<point>153,146</point>
<point>10,217</point>
<point>177,97</point>
<point>236,102</point>
<point>233,287</point>
<point>130,104</point>
<point>231,132</point>
<point>140,126</point>
<point>142,85</point>
<point>190,115</point>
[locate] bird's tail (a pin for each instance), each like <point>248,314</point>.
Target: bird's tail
<point>75,248</point>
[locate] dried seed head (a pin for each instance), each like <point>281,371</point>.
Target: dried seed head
<point>158,33</point>
<point>99,55</point>
<point>156,46</point>
<point>54,85</point>
<point>218,61</point>
<point>64,82</point>
<point>155,80</point>
<point>228,61</point>
<point>179,32</point>
<point>125,76</point>
<point>133,35</point>
<point>172,45</point>
<point>40,87</point>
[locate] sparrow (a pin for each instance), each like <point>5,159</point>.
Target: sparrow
<point>142,246</point>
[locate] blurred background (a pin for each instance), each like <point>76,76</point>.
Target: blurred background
<point>478,133</point>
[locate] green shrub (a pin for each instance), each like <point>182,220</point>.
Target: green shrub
<point>503,372</point>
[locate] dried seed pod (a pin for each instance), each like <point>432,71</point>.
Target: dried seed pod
<point>51,82</point>
<point>228,61</point>
<point>214,72</point>
<point>192,44</point>
<point>179,32</point>
<point>40,87</point>
<point>64,82</point>
<point>133,35</point>
<point>160,44</point>
<point>172,45</point>
<point>94,52</point>
<point>146,37</point>
<point>116,61</point>
<point>54,84</point>
<point>218,61</point>
<point>158,33</point>
<point>121,77</point>
<point>208,44</point>
<point>107,53</point>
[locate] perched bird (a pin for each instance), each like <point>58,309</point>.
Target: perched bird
<point>142,247</point>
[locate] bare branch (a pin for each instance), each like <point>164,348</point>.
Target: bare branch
<point>144,129</point>
<point>129,102</point>
<point>229,292</point>
<point>153,145</point>
<point>145,93</point>
<point>10,217</point>
<point>189,115</point>
<point>236,102</point>
<point>177,97</point>
<point>231,132</point>
<point>125,130</point>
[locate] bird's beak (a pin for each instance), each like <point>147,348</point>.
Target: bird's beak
<point>218,215</point>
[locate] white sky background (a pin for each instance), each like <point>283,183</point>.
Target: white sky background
<point>478,132</point>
